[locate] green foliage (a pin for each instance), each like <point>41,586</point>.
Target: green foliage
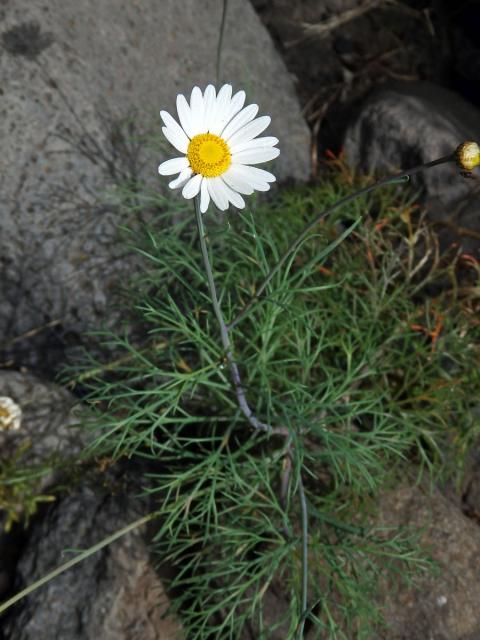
<point>19,493</point>
<point>353,349</point>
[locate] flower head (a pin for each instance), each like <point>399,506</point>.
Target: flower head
<point>468,155</point>
<point>10,414</point>
<point>218,139</point>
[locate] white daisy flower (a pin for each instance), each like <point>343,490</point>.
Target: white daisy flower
<point>218,138</point>
<point>10,414</point>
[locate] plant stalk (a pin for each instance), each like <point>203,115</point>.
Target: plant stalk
<point>401,177</point>
<point>79,558</point>
<point>220,40</point>
<point>227,346</point>
<point>304,600</point>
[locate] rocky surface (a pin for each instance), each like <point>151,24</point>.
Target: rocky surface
<point>48,427</point>
<point>445,605</point>
<point>404,125</point>
<point>39,449</point>
<point>341,49</point>
<point>78,89</point>
<point>113,595</point>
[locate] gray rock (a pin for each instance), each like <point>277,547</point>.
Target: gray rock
<point>36,453</point>
<point>444,606</point>
<point>115,594</point>
<point>404,125</point>
<point>470,490</point>
<point>48,423</point>
<point>72,74</point>
<point>11,543</point>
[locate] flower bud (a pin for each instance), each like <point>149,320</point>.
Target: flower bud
<point>468,155</point>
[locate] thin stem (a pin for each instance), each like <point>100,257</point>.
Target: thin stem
<point>401,177</point>
<point>244,406</point>
<point>220,40</point>
<point>285,485</point>
<point>304,602</point>
<point>71,563</point>
<point>227,346</point>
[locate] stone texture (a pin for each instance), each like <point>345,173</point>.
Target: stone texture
<point>113,595</point>
<point>403,125</point>
<point>48,422</point>
<point>470,490</point>
<point>47,437</point>
<point>72,73</point>
<point>444,606</point>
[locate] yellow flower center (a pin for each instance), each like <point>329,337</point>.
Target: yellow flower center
<point>208,155</point>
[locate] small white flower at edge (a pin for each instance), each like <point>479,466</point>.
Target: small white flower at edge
<point>10,414</point>
<point>218,138</point>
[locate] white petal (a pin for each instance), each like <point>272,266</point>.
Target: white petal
<point>240,120</point>
<point>267,141</point>
<point>210,99</point>
<point>237,182</point>
<point>191,189</point>
<point>223,99</point>
<point>219,119</point>
<point>234,197</point>
<point>217,191</point>
<point>197,109</point>
<point>204,196</point>
<point>185,115</point>
<point>242,175</point>
<point>169,121</point>
<point>177,138</point>
<point>261,186</point>
<point>256,155</point>
<point>254,173</point>
<point>170,167</point>
<point>182,179</point>
<point>236,104</point>
<point>249,131</point>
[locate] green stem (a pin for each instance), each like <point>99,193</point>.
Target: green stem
<point>220,40</point>
<point>227,346</point>
<point>401,177</point>
<point>304,602</point>
<point>71,563</point>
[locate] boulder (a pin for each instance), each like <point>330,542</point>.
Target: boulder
<point>444,606</point>
<point>115,594</point>
<point>81,83</point>
<point>39,437</point>
<point>47,430</point>
<point>406,124</point>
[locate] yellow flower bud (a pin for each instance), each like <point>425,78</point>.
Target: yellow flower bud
<point>468,155</point>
